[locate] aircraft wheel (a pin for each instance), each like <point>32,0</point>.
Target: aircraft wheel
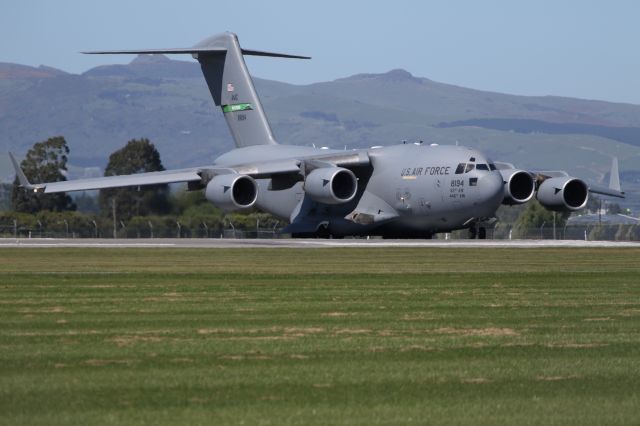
<point>323,232</point>
<point>482,233</point>
<point>472,233</point>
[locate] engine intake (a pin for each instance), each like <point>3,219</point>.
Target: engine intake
<point>232,192</point>
<point>563,194</point>
<point>331,185</point>
<point>519,186</point>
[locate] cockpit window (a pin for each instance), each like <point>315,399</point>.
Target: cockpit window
<point>466,168</point>
<point>482,167</point>
<point>492,166</point>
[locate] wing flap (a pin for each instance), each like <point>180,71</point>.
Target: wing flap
<point>266,169</point>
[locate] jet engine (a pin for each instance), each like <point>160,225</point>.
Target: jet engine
<point>563,193</point>
<point>331,185</point>
<point>232,192</point>
<point>519,186</point>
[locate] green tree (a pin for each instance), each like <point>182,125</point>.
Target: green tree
<point>614,208</point>
<point>45,162</point>
<point>86,203</point>
<point>535,216</point>
<point>138,156</point>
<point>593,204</point>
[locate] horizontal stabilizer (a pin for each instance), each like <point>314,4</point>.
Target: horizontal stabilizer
<point>272,54</point>
<point>189,50</point>
<point>192,51</point>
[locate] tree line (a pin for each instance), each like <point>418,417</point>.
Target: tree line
<point>147,211</point>
<point>156,211</point>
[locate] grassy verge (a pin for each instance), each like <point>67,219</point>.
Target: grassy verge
<point>320,336</point>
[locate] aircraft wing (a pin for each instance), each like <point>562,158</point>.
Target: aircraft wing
<point>613,190</point>
<point>263,169</point>
<point>258,169</point>
<point>603,190</point>
<point>139,179</point>
<point>610,191</point>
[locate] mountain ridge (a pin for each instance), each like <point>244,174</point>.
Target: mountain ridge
<point>167,101</point>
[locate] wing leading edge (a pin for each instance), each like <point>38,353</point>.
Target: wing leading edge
<point>260,169</point>
<point>139,179</point>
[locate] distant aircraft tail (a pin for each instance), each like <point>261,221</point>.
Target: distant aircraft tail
<point>230,84</point>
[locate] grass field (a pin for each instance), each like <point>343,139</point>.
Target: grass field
<point>320,336</point>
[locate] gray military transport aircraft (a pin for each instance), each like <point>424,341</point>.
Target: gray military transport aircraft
<point>411,190</point>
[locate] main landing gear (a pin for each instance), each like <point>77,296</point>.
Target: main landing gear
<point>479,232</point>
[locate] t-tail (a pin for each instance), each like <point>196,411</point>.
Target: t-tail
<point>222,62</point>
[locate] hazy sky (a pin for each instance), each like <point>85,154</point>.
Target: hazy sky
<point>587,49</point>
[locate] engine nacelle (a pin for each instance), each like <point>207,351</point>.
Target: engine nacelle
<point>563,193</point>
<point>519,186</point>
<point>331,185</point>
<point>232,192</point>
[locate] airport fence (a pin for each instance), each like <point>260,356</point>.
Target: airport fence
<point>21,231</point>
<point>70,225</point>
<point>586,232</point>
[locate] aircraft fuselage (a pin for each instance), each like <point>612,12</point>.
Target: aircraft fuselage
<point>408,190</point>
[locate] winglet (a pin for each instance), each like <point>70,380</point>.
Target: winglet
<point>614,176</point>
<point>24,182</point>
<point>614,189</point>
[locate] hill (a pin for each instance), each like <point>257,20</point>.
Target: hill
<point>168,102</point>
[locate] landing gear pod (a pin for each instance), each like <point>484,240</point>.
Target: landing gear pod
<point>563,194</point>
<point>232,192</point>
<point>519,186</point>
<point>331,185</point>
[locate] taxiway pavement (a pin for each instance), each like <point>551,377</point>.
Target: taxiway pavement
<point>299,243</point>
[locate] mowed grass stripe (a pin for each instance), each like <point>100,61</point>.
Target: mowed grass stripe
<point>318,261</point>
<point>317,336</point>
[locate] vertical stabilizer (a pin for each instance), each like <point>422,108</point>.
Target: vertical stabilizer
<point>232,89</point>
<point>230,84</point>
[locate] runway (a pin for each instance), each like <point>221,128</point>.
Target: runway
<point>300,243</point>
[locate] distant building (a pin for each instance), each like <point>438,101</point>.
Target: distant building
<point>605,219</point>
